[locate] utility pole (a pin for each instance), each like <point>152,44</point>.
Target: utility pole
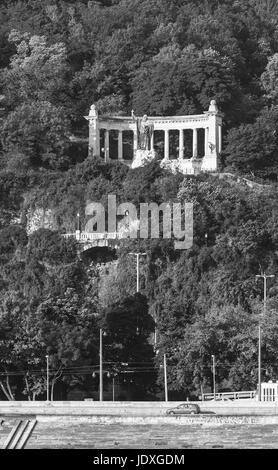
<point>213,374</point>
<point>165,379</point>
<point>100,367</point>
<point>137,273</point>
<point>113,385</point>
<point>264,276</point>
<point>47,378</point>
<point>137,268</point>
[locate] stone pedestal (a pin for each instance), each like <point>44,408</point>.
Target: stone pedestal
<point>190,166</point>
<point>142,157</point>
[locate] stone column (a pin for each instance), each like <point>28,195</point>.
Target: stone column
<point>206,140</point>
<point>219,139</point>
<point>152,142</point>
<point>120,145</point>
<point>195,143</point>
<point>214,122</point>
<point>135,141</point>
<point>94,146</point>
<point>166,144</point>
<point>181,144</point>
<point>106,145</point>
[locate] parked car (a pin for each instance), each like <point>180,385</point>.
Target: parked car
<point>185,408</point>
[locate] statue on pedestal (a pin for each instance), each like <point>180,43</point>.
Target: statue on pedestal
<point>144,132</point>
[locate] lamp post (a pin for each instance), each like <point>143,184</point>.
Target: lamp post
<point>264,276</point>
<point>47,378</point>
<point>165,378</point>
<point>113,388</point>
<point>100,367</point>
<point>100,381</point>
<point>137,268</point>
<point>213,374</point>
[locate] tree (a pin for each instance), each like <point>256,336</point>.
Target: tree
<point>39,131</point>
<point>21,349</point>
<point>184,82</point>
<point>231,334</point>
<point>253,147</point>
<point>228,333</point>
<point>269,79</point>
<point>12,238</point>
<point>67,327</point>
<point>128,326</point>
<point>62,327</point>
<point>48,246</point>
<point>37,71</point>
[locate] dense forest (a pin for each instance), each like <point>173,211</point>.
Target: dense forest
<point>158,57</point>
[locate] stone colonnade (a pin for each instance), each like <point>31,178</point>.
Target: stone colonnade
<point>210,121</point>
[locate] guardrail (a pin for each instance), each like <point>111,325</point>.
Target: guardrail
<point>229,395</point>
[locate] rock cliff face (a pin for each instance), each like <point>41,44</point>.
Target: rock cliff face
<point>40,218</point>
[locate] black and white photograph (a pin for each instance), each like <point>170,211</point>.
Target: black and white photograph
<point>138,228</point>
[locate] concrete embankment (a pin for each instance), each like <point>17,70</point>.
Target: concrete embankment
<point>200,420</point>
<point>142,425</point>
<point>140,409</point>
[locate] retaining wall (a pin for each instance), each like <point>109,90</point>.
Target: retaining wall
<point>143,409</point>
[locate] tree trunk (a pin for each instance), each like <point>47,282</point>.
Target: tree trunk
<point>52,389</point>
<point>6,393</point>
<point>54,380</point>
<point>27,388</point>
<point>7,389</point>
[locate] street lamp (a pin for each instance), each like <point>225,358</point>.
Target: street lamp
<point>165,374</point>
<point>264,276</point>
<point>113,386</point>
<point>137,256</point>
<point>100,367</point>
<point>47,378</point>
<point>213,374</point>
<point>165,378</point>
<point>101,333</point>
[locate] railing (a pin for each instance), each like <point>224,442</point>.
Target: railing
<point>98,236</point>
<point>229,395</point>
<point>92,236</point>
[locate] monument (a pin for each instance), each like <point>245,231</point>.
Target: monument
<point>205,128</point>
<point>145,151</point>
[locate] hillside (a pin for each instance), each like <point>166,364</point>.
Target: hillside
<point>160,58</point>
